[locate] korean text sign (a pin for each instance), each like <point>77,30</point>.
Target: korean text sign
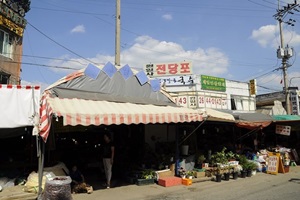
<point>168,69</point>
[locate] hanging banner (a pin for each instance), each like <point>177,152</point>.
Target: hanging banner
<point>19,105</point>
<point>252,84</point>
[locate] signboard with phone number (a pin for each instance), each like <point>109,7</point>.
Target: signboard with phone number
<point>203,101</point>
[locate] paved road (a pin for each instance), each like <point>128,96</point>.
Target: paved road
<point>259,187</point>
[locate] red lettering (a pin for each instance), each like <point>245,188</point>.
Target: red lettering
<point>185,68</point>
<point>161,69</point>
<point>173,68</point>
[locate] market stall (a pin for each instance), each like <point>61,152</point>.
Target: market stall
<point>106,95</point>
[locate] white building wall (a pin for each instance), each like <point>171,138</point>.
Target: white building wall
<point>190,94</point>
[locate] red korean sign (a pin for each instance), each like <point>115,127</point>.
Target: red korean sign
<point>168,69</point>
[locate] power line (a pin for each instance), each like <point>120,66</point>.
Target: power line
<point>60,44</point>
<point>42,65</point>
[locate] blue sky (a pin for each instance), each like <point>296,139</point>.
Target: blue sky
<point>231,39</point>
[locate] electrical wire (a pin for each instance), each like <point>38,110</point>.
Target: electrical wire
<point>60,44</point>
<point>42,65</point>
<point>136,34</point>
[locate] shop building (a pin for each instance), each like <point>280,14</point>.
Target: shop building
<point>12,25</point>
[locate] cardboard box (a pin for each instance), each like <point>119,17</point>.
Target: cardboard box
<point>199,174</point>
<point>165,173</point>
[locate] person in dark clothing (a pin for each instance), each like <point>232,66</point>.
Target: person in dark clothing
<point>76,176</point>
<point>108,157</point>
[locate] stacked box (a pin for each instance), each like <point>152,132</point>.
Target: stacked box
<point>169,181</point>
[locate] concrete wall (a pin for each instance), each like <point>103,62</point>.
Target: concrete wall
<point>186,93</point>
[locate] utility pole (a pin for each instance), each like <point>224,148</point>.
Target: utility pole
<point>117,36</point>
<point>285,53</point>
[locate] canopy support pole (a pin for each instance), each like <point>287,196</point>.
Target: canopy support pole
<point>177,151</point>
<point>249,133</point>
<point>40,155</point>
<point>179,143</point>
<point>194,130</point>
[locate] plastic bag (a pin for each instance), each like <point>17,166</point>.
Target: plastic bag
<point>32,183</point>
<point>58,188</point>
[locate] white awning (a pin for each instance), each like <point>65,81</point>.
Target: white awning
<point>215,115</point>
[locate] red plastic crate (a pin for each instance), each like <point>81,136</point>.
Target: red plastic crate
<point>169,181</point>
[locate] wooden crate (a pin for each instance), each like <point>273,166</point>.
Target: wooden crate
<point>199,174</point>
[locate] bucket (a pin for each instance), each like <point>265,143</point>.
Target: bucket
<point>185,150</point>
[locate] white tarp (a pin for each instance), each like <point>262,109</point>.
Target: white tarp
<point>19,105</point>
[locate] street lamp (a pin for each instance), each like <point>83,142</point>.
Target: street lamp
<point>292,79</point>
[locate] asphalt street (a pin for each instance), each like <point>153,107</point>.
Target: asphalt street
<point>261,186</point>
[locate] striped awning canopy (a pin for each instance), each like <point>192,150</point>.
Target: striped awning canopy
<point>106,95</point>
<point>89,112</point>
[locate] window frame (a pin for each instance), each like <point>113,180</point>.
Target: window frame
<point>6,50</point>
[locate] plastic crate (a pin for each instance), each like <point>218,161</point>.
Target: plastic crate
<point>187,181</point>
<point>144,181</point>
<point>169,181</point>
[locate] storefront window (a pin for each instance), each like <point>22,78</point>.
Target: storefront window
<point>5,44</point>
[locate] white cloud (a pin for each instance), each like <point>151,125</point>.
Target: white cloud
<point>78,29</point>
<point>167,17</point>
<point>269,36</point>
<point>145,49</point>
<point>265,35</point>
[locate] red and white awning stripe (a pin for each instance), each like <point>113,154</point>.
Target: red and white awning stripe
<point>45,118</point>
<point>88,112</point>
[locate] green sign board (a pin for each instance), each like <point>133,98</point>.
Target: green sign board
<point>213,83</point>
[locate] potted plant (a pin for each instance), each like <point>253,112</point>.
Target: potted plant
<point>250,168</point>
<point>182,172</point>
<point>147,177</point>
<point>226,172</point>
<point>218,172</point>
<point>235,172</point>
<point>190,174</point>
<point>219,157</point>
<point>232,156</point>
<point>243,161</point>
<point>200,160</point>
